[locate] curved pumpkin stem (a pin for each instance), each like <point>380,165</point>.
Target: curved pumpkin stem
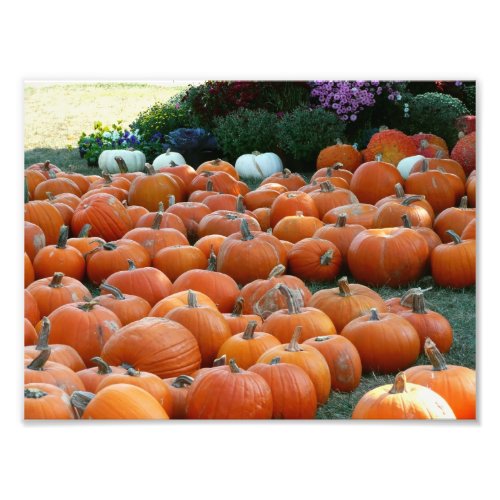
<point>63,237</point>
<point>326,258</point>
<point>131,265</point>
<point>407,298</point>
<point>341,220</point>
<point>294,346</point>
<point>233,366</point>
<point>182,381</point>
<point>122,166</point>
<point>80,400</point>
<point>132,372</point>
<point>149,169</point>
<point>43,336</point>
<point>400,192</point>
<point>84,232</point>
<point>87,306</point>
<point>419,303</point>
<point>34,393</point>
<point>344,290</point>
<point>192,299</point>
<point>412,199</point>
<point>338,166</point>
<point>286,173</point>
<point>249,330</point>
<point>456,239</point>
<point>212,261</point>
<point>219,361</point>
<point>434,355</point>
<point>39,362</point>
<point>277,271</point>
<point>293,306</point>
<point>56,281</point>
<point>157,221</point>
<point>323,338</point>
<point>102,367</point>
<point>399,385</point>
<point>238,307</point>
<point>116,292</point>
<point>246,235</point>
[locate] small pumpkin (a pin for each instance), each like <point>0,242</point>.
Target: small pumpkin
<point>363,214</point>
<point>44,401</point>
<point>296,227</point>
<point>92,377</point>
<point>454,218</point>
<point>258,165</point>
<point>178,388</point>
<point>179,299</point>
<point>346,154</point>
<point>166,159</point>
<point>292,181</point>
<point>175,260</point>
<point>291,202</point>
<point>238,321</point>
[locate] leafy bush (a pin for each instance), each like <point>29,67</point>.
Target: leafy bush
<point>303,133</point>
<point>435,113</point>
<point>158,120</point>
<point>246,130</point>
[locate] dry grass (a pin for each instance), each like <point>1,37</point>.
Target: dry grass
<point>55,115</point>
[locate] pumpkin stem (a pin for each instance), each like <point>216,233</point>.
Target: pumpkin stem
<point>192,299</point>
<point>116,292</point>
<point>419,303</point>
<point>434,355</point>
<point>246,235</point>
<point>39,362</point>
<point>374,314</point>
<point>80,400</point>
<point>233,366</point>
<point>209,186</point>
<point>338,166</point>
<point>326,258</point>
<point>157,221</point>
<point>276,271</point>
<point>326,187</point>
<point>294,346</point>
<point>275,360</point>
<point>406,221</point>
<point>172,164</point>
<point>122,166</point>
<point>407,298</point>
<point>182,381</point>
<point>240,204</point>
<point>216,162</point>
<point>456,239</point>
<point>400,192</point>
<point>249,330</point>
<point>425,165</point>
<point>56,281</point>
<point>411,199</point>
<point>463,202</point>
<point>344,290</point>
<point>338,141</point>
<point>52,174</point>
<point>399,385</point>
<point>323,338</point>
<point>102,367</point>
<point>161,207</point>
<point>238,307</point>
<point>378,157</point>
<point>63,237</point>
<point>109,246</point>
<point>87,306</point>
<point>107,177</point>
<point>131,265</point>
<point>171,200</point>
<point>212,260</point>
<point>149,169</point>
<point>286,173</point>
<point>341,221</point>
<point>43,336</point>
<point>34,393</point>
<point>219,361</point>
<point>132,372</point>
<point>293,306</point>
<point>84,232</point>
<point>46,165</point>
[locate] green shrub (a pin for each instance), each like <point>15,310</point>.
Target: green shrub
<point>435,113</point>
<point>245,131</point>
<point>303,133</point>
<point>162,118</point>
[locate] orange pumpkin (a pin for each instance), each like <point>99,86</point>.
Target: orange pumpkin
<point>363,214</point>
<point>92,377</point>
<point>454,218</point>
<point>290,203</point>
<point>34,239</point>
<point>44,401</point>
<point>238,321</point>
<point>179,299</point>
<point>346,154</point>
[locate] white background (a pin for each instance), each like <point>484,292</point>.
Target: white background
<point>190,40</point>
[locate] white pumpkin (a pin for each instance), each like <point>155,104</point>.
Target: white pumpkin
<point>167,158</point>
<point>258,165</point>
<point>406,164</point>
<point>135,160</point>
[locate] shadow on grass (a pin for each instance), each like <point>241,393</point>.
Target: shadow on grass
<point>63,158</point>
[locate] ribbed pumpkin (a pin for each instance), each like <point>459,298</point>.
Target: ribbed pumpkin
<point>291,202</point>
<point>428,324</point>
<point>454,264</point>
<point>162,219</point>
<point>314,259</point>
<point>261,198</point>
<point>346,154</point>
<point>328,197</point>
<point>342,358</point>
<point>246,347</point>
<point>65,210</point>
<point>296,227</point>
<point>262,297</point>
<point>34,239</point>
<point>400,195</point>
<point>294,394</point>
<point>306,357</point>
<point>238,321</point>
<point>179,299</point>
<point>59,353</point>
<point>178,387</point>
<point>346,302</point>
<point>391,256</point>
<point>218,165</point>
<point>469,232</point>
<point>261,251</point>
<point>385,342</point>
<point>430,236</point>
<point>363,214</point>
<point>175,260</point>
<point>431,139</point>
<point>46,217</point>
<point>41,370</point>
<point>119,402</point>
<point>85,243</point>
<point>448,165</point>
<point>156,345</point>
<point>282,323</point>
<point>337,171</point>
<point>220,287</point>
<point>454,218</point>
<point>46,402</point>
<point>92,377</point>
<point>402,400</point>
<point>225,223</point>
<point>59,258</point>
<point>108,218</point>
<point>374,180</point>
<point>263,216</point>
<point>85,326</point>
<point>79,179</point>
<point>390,213</point>
<point>221,182</point>
<point>392,145</point>
<point>55,186</point>
<point>146,282</point>
<point>240,395</point>
<point>208,326</point>
<point>46,168</point>
<point>127,307</point>
<point>456,384</point>
<point>292,181</point>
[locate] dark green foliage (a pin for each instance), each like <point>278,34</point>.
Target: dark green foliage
<point>303,133</point>
<point>245,131</point>
<point>437,114</point>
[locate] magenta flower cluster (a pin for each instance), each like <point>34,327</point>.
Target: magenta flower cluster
<point>348,98</point>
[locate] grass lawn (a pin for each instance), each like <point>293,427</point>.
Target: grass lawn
<point>55,116</point>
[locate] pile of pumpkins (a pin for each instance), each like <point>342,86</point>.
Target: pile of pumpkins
<point>203,310</point>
